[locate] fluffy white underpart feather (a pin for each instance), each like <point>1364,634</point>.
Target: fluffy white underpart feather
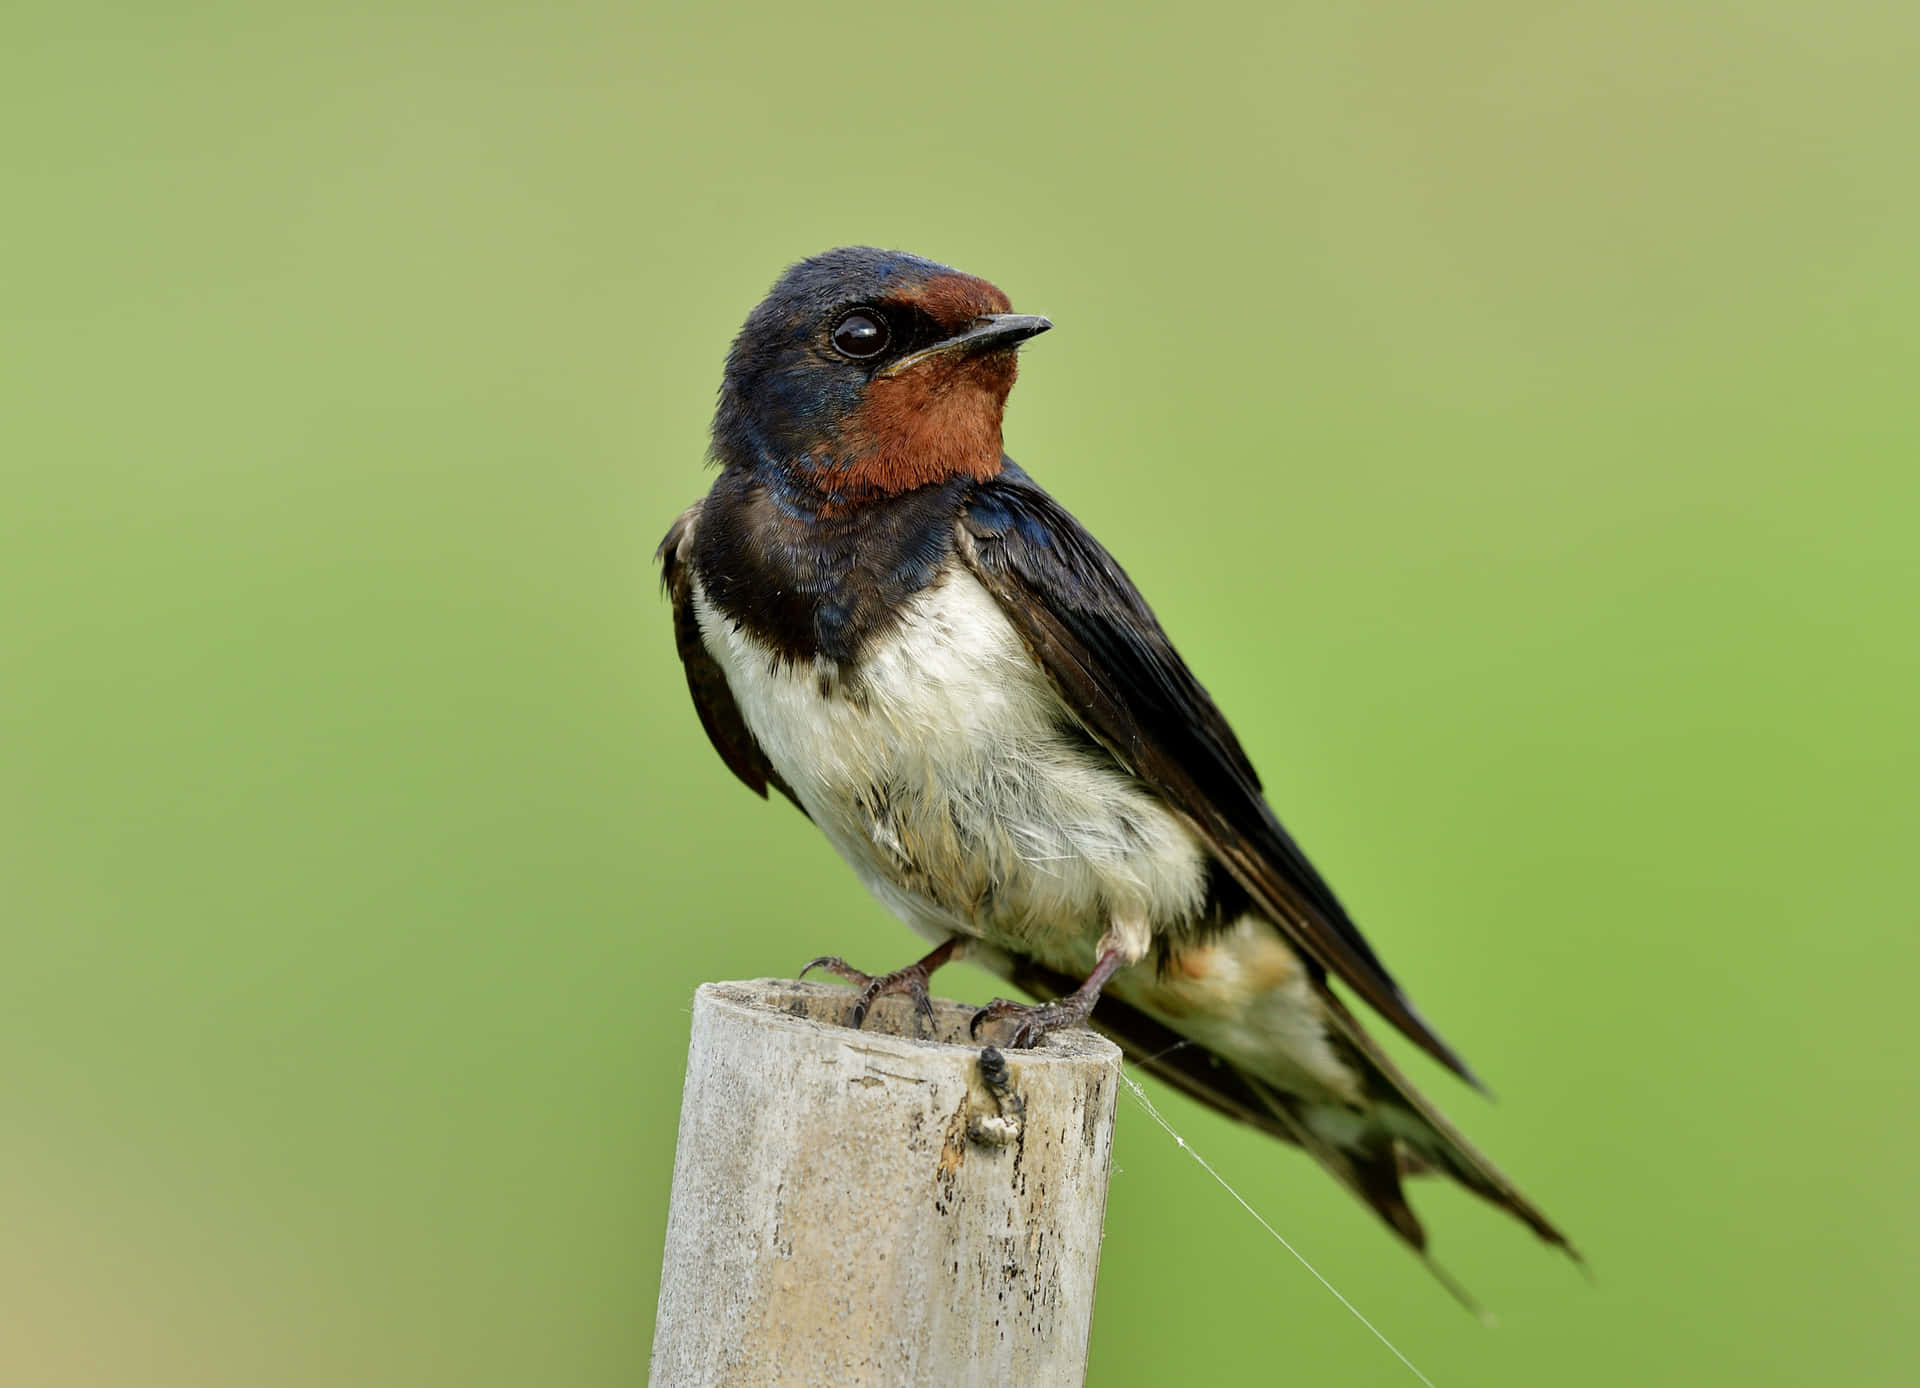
<point>949,775</point>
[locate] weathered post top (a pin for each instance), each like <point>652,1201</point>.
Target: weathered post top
<point>871,1207</point>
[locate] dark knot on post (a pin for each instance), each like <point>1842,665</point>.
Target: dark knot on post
<point>997,1123</point>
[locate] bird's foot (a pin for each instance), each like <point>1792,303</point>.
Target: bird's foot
<point>1036,1019</point>
<point>911,981</point>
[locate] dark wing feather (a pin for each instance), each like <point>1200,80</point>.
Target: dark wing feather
<point>1095,635</point>
<point>712,699</point>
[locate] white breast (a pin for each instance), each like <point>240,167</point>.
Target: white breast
<point>947,773</point>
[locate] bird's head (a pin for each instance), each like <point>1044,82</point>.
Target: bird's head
<point>867,373</point>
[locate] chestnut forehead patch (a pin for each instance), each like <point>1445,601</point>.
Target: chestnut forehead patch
<point>953,300</point>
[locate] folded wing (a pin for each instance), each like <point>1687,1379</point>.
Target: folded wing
<point>1088,626</point>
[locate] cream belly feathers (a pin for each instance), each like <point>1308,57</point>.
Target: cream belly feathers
<point>949,775</point>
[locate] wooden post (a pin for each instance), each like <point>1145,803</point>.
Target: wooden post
<point>869,1207</point>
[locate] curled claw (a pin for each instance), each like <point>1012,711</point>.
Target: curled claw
<point>834,964</point>
<point>1036,1020</point>
<point>912,981</point>
<point>992,1012</point>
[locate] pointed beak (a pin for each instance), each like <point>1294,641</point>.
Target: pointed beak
<point>987,333</point>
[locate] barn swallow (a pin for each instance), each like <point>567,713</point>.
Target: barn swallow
<point>885,619</point>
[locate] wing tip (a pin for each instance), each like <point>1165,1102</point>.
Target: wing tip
<point>1468,1074</point>
<point>1422,1033</point>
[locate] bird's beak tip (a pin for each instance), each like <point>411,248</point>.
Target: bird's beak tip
<point>1018,326</point>
<point>989,332</point>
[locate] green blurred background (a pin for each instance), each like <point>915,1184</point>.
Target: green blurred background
<point>1510,409</point>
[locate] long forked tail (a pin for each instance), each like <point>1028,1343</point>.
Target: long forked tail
<point>1425,1131</point>
<point>1401,1134</point>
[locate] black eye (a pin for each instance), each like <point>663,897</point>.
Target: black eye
<point>860,334</point>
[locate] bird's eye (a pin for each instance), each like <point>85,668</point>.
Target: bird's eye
<point>860,334</point>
